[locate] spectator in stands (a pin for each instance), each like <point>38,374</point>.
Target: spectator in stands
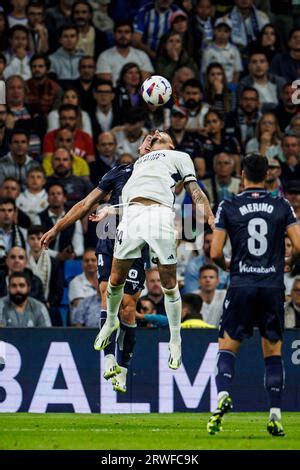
<point>17,14</point>
<point>273,183</point>
<point>105,114</point>
<point>179,23</point>
<point>34,198</point>
<point>19,308</point>
<point>212,306</point>
<point>151,23</point>
<point>268,41</point>
<point>131,134</point>
<point>242,123</point>
<point>65,139</point>
<point>222,185</point>
<point>288,267</point>
<point>85,284</point>
<point>190,315</point>
<point>92,41</point>
<point>87,312</point>
<point>290,166</point>
<point>181,75</point>
<point>173,56</point>
<point>192,96</point>
<point>222,51</point>
<point>48,270</point>
<point>10,233</point>
<point>268,85</point>
<point>69,243</point>
<point>147,316</point>
<point>268,137</point>
<point>214,142</point>
<point>11,188</point>
<point>76,187</point>
<point>201,26</point>
<point>17,162</point>
<point>191,278</point>
<point>216,91</point>
<point>25,115</point>
<point>294,127</point>
<point>86,82</point>
<point>246,21</point>
<point>42,90</point>
<point>65,60</point>
<point>4,130</point>
<point>154,290</point>
<point>286,64</point>
<point>185,141</point>
<point>38,33</point>
<point>128,87</point>
<point>106,146</point>
<point>292,193</point>
<point>111,61</point>
<point>3,63</point>
<point>18,54</point>
<point>70,96</point>
<point>286,109</point>
<point>4,31</point>
<point>16,262</point>
<point>60,14</point>
<point>69,116</point>
<point>292,309</point>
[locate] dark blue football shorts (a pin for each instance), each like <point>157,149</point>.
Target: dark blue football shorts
<point>245,308</point>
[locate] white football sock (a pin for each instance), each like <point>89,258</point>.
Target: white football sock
<point>173,306</point>
<point>114,295</point>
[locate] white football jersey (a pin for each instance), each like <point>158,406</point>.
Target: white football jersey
<point>155,176</point>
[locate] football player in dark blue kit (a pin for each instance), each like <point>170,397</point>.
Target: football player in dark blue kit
<point>256,223</point>
<point>112,183</point>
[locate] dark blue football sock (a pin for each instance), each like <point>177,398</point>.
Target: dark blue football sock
<point>225,370</point>
<point>111,347</point>
<point>126,343</point>
<point>274,379</point>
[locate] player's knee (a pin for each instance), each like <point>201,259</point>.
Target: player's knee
<point>116,280</point>
<point>127,314</point>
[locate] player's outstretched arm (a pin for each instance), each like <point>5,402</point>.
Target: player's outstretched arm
<point>78,211</point>
<point>199,198</point>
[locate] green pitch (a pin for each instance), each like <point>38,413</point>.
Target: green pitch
<point>154,431</point>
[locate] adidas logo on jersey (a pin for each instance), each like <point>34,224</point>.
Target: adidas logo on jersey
<point>171,257</point>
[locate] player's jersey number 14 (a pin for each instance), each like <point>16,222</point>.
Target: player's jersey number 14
<point>257,242</point>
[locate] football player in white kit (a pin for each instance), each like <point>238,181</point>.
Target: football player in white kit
<point>148,197</point>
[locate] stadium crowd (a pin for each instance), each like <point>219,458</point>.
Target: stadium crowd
<point>73,71</point>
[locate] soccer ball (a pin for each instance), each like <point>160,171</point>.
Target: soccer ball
<point>156,90</point>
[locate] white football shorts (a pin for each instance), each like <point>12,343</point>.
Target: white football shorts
<point>142,224</point>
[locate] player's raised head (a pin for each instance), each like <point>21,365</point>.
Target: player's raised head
<point>255,168</point>
<point>162,141</point>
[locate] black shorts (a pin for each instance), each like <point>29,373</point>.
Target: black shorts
<point>245,308</point>
<point>136,275</point>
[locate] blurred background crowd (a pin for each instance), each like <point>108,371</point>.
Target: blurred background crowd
<point>73,71</point>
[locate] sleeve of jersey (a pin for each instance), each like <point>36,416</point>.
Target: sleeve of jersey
<point>106,182</point>
<point>291,218</point>
<point>221,219</point>
<point>186,168</point>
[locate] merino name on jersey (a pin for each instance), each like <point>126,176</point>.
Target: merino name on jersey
<point>256,207</point>
<point>155,176</point>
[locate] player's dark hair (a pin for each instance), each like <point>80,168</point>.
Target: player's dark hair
<point>35,230</point>
<point>255,167</point>
<point>22,274</point>
<point>7,200</point>
<point>193,302</point>
<point>207,267</point>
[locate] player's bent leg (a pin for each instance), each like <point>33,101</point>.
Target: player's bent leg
<point>126,339</point>
<point>114,295</point>
<point>228,349</point>
<point>274,384</point>
<point>173,306</point>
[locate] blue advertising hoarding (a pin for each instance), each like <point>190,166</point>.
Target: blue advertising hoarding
<point>57,370</point>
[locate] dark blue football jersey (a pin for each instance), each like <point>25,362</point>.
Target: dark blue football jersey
<point>114,180</point>
<point>256,222</point>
